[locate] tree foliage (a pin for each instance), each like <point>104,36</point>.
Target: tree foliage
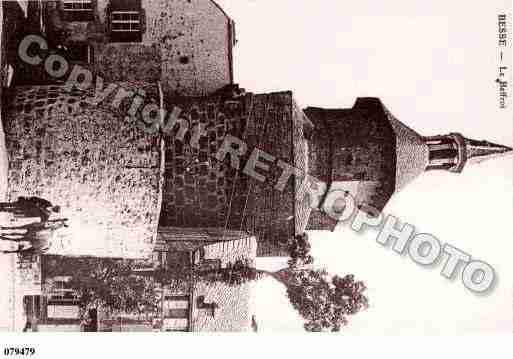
<point>233,274</point>
<point>324,303</point>
<point>299,251</point>
<point>107,283</point>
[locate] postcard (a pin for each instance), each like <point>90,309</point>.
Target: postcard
<point>255,166</point>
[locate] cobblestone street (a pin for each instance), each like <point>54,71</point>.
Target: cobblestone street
<point>7,262</point>
<point>15,283</point>
<point>6,299</point>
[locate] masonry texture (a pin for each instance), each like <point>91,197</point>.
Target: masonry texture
<point>354,150</point>
<point>236,303</point>
<point>412,153</point>
<point>200,191</point>
<point>195,38</point>
<point>124,62</point>
<point>190,43</point>
<point>103,171</point>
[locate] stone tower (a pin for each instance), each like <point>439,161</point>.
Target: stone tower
<point>367,152</point>
<point>126,185</point>
<point>105,172</point>
<point>363,151</point>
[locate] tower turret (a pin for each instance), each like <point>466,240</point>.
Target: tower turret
<point>368,153</point>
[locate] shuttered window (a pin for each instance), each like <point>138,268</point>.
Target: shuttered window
<point>125,21</point>
<point>78,10</point>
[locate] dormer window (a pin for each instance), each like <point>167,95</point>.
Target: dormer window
<point>78,10</point>
<point>125,21</point>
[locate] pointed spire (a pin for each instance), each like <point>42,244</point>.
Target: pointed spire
<point>479,151</point>
<point>452,152</point>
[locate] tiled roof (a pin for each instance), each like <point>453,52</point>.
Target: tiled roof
<point>231,251</point>
<point>191,239</point>
<point>234,302</point>
<point>234,311</point>
<point>412,153</point>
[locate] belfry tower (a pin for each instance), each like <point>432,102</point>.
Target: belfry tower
<point>118,183</point>
<point>372,155</point>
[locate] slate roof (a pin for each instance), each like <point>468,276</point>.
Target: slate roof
<point>235,302</point>
<point>412,153</point>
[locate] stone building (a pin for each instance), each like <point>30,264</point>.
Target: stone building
<point>122,184</point>
<point>190,305</point>
<point>204,305</point>
<point>104,171</point>
<point>185,45</point>
<point>371,155</point>
<point>363,151</point>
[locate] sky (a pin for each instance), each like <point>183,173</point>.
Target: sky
<point>433,64</point>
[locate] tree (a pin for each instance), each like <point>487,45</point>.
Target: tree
<point>299,251</point>
<point>106,283</point>
<point>233,274</point>
<point>324,304</point>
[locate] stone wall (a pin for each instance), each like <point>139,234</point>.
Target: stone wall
<point>234,311</point>
<point>195,43</point>
<point>200,191</point>
<point>128,62</point>
<point>354,150</point>
<point>198,188</point>
<point>193,38</point>
<point>302,131</point>
<point>104,172</point>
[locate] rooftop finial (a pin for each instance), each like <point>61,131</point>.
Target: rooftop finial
<point>479,151</point>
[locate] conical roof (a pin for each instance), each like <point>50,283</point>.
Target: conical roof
<point>479,151</point>
<point>412,152</point>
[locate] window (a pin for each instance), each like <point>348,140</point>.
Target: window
<point>125,21</point>
<point>79,52</point>
<point>78,10</point>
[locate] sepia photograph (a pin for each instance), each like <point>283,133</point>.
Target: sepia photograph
<point>268,167</point>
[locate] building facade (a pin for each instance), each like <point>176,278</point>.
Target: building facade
<point>185,45</point>
<point>123,185</point>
